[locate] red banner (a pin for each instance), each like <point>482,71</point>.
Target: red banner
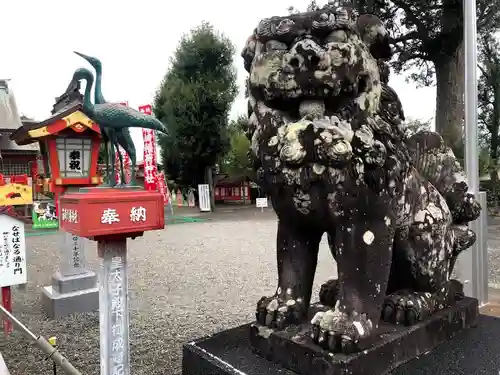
<point>162,187</point>
<point>126,165</point>
<point>180,198</point>
<point>117,166</point>
<point>150,167</point>
<point>167,193</point>
<point>118,176</point>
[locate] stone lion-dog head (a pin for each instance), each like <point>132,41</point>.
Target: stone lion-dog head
<point>313,81</point>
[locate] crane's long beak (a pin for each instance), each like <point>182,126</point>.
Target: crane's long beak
<point>82,55</point>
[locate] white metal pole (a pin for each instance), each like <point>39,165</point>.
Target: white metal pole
<point>471,141</point>
<point>43,344</point>
<point>473,263</point>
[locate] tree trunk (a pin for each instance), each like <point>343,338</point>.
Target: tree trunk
<point>494,144</point>
<point>450,99</point>
<point>493,170</point>
<point>210,182</point>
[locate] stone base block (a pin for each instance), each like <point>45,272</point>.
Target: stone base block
<point>74,283</point>
<point>389,347</point>
<point>251,350</point>
<point>56,304</point>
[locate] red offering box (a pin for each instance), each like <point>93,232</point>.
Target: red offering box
<point>104,212</point>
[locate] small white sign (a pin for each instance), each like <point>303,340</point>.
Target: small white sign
<point>13,270</point>
<point>204,197</point>
<point>261,202</point>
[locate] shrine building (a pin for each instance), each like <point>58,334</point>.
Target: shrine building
<point>15,160</point>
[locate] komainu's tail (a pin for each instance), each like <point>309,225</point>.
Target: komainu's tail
<point>435,161</point>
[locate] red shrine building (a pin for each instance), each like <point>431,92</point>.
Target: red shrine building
<point>235,189</point>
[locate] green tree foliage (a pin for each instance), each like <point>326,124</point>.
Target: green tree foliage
<point>489,91</point>
<point>194,102</point>
<point>489,103</point>
<point>236,161</point>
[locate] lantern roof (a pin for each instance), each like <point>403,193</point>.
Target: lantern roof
<point>66,113</point>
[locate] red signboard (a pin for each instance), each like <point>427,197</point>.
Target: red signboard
<point>110,212</point>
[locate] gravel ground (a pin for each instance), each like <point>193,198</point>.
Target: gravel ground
<point>494,254</point>
<point>187,281</point>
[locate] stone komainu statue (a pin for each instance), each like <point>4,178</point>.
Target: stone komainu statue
<point>330,149</point>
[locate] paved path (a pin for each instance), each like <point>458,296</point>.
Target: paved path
<point>186,281</point>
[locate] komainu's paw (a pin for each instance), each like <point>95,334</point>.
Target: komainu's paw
<point>337,332</point>
<point>464,237</point>
<point>329,292</point>
<point>407,307</point>
<point>455,291</point>
<point>471,208</point>
<point>275,312</point>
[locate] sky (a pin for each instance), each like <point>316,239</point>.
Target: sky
<point>134,41</point>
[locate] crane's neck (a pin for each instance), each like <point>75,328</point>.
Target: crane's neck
<point>87,104</point>
<point>98,97</point>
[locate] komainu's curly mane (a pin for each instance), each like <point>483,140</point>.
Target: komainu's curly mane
<point>314,95</point>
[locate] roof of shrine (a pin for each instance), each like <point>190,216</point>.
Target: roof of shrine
<point>10,121</point>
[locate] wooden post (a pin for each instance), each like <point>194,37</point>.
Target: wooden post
<point>13,269</point>
<point>210,182</point>
<point>7,303</point>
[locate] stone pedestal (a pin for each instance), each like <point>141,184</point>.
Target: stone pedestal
<point>74,288</point>
<point>255,350</point>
